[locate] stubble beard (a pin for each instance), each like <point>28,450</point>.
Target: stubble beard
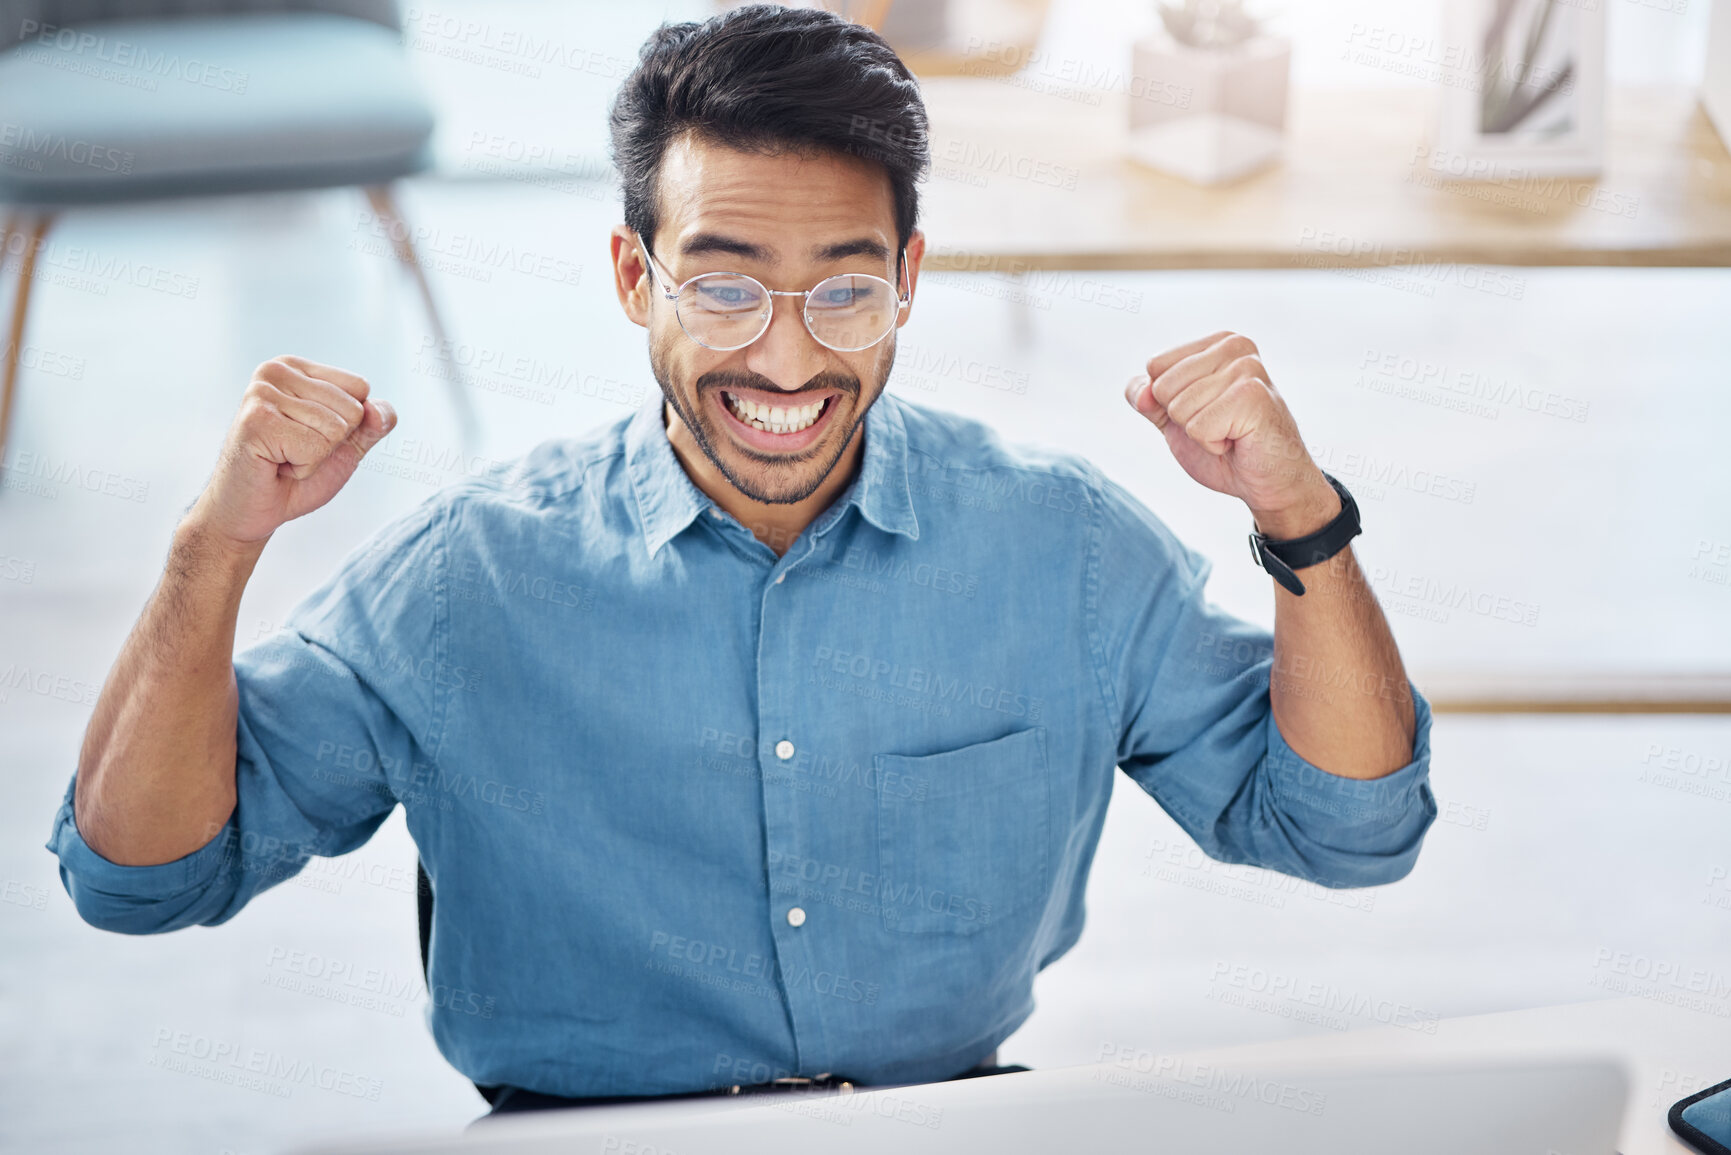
<point>769,479</point>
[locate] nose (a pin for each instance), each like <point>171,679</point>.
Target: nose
<point>786,354</point>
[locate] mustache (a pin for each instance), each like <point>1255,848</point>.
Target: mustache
<point>825,382</point>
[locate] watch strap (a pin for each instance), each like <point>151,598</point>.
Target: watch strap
<point>1282,558</point>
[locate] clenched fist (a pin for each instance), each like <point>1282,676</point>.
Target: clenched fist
<point>1231,431</point>
<point>300,434</point>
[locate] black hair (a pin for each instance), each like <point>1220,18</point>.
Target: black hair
<point>769,79</point>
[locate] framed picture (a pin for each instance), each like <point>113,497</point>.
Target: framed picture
<point>1522,89</point>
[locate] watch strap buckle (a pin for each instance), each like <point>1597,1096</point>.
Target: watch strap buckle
<point>1277,569</point>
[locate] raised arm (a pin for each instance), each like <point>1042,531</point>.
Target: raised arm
<point>1339,690</point>
<point>156,774</point>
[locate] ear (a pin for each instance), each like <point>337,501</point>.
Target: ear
<point>631,277</point>
<point>916,254</point>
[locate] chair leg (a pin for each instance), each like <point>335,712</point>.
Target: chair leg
<point>8,225</point>
<point>34,235</point>
<point>385,207</point>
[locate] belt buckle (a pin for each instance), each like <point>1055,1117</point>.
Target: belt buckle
<point>794,1082</point>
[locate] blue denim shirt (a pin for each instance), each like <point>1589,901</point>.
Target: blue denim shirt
<point>695,814</point>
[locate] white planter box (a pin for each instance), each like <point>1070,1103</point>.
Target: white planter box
<point>1208,115</point>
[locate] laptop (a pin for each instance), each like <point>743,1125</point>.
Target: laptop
<point>1164,1104</point>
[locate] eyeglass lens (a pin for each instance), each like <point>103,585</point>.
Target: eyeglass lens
<point>847,312</point>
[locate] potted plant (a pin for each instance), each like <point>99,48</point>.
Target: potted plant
<point>1208,91</point>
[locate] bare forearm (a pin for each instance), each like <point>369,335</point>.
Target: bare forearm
<point>1339,692</point>
<point>1338,686</point>
<point>156,772</point>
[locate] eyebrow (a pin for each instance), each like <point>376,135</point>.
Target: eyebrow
<point>711,243</point>
<point>704,243</point>
<point>861,246</point>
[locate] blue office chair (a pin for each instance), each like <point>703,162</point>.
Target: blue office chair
<point>111,101</point>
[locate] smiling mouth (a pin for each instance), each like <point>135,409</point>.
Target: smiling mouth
<point>781,419</point>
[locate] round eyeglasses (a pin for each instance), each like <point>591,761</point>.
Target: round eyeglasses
<point>725,311</point>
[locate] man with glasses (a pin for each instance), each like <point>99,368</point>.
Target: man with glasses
<point>762,739</point>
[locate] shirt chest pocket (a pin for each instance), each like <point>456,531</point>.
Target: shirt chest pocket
<point>963,834</point>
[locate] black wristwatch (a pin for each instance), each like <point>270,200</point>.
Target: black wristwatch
<point>1280,558</point>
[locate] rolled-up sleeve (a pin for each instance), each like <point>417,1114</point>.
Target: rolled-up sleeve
<point>332,716</point>
<point>1188,686</point>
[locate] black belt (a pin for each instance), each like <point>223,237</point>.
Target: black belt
<point>507,1098</point>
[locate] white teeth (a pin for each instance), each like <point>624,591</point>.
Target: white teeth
<point>774,419</point>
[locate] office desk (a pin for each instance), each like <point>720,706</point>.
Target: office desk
<point>1669,1051</point>
<point>1396,1078</point>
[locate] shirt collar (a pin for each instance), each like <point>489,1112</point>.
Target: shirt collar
<point>668,500</point>
<point>881,490</point>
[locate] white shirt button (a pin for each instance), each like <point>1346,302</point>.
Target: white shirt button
<point>715,513</point>
<point>784,751</point>
<point>780,576</point>
<point>796,916</point>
